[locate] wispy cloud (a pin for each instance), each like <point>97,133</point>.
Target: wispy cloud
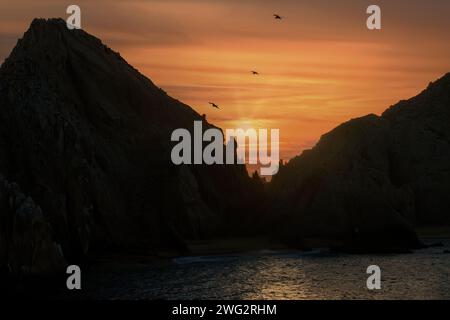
<point>319,66</point>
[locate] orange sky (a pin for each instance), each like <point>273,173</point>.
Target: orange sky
<point>319,66</point>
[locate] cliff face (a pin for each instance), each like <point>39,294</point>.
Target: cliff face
<point>420,153</point>
<point>25,235</point>
<point>85,165</point>
<point>87,138</point>
<point>369,181</point>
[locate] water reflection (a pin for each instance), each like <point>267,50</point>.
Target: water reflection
<point>422,275</point>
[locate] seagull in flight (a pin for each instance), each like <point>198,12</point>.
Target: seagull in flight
<point>277,17</point>
<point>214,105</point>
<point>255,73</point>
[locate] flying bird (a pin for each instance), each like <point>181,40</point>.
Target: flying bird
<point>277,17</point>
<point>255,72</point>
<point>214,105</point>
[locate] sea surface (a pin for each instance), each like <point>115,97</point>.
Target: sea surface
<point>424,274</point>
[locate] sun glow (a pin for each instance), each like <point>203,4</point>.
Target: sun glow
<point>317,67</point>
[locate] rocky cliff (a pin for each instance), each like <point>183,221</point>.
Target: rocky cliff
<point>87,139</point>
<point>368,182</point>
<point>85,166</point>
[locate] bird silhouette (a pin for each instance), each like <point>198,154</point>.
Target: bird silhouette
<point>277,17</point>
<point>255,72</point>
<point>214,105</point>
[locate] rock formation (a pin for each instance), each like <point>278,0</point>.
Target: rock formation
<point>87,138</point>
<point>25,235</point>
<point>368,182</point>
<point>85,166</point>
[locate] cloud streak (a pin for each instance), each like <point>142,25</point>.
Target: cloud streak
<point>318,67</point>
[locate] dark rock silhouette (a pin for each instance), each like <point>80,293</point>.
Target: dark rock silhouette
<point>87,138</point>
<point>25,234</point>
<point>369,181</point>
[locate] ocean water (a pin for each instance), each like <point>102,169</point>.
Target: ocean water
<point>424,274</point>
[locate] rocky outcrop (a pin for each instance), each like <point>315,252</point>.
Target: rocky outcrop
<point>369,181</point>
<point>420,151</point>
<point>26,244</point>
<point>87,137</point>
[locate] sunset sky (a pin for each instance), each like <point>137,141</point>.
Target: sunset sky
<point>319,66</point>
